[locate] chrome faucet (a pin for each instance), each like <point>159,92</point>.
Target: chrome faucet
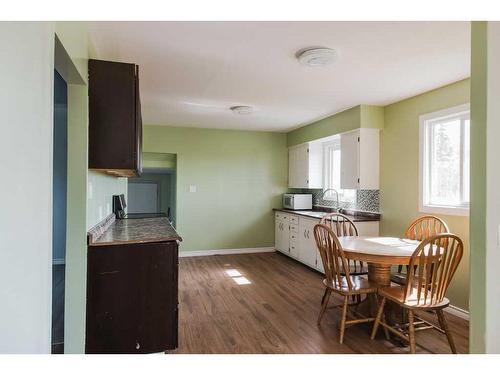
<point>336,194</point>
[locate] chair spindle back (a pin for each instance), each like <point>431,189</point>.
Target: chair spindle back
<point>342,226</point>
<point>332,256</point>
<point>425,227</point>
<point>435,261</point>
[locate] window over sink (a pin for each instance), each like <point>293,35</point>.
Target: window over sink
<point>331,172</point>
<point>445,161</point>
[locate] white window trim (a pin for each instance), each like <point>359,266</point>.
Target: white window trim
<point>329,196</point>
<point>326,173</point>
<point>423,207</point>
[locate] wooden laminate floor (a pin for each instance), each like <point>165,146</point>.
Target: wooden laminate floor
<point>268,303</point>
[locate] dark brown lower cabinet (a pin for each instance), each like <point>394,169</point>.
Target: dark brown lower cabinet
<point>132,301</point>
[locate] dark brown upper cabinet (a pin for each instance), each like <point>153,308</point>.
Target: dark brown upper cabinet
<point>115,123</point>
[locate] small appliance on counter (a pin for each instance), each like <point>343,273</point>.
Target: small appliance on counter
<point>297,201</point>
<point>119,205</point>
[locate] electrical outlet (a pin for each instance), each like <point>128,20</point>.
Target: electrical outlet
<point>192,188</point>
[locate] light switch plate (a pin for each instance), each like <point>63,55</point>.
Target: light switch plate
<point>192,188</point>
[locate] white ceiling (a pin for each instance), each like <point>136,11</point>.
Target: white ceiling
<point>192,72</point>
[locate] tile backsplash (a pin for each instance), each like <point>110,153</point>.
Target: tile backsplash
<point>362,200</point>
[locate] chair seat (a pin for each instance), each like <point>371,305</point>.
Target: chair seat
<point>360,285</point>
<point>396,294</point>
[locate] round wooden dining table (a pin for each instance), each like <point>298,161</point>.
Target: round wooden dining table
<point>380,253</point>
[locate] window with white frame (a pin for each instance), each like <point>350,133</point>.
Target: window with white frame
<point>445,161</point>
<point>331,172</point>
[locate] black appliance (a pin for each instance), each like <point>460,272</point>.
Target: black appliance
<point>119,206</point>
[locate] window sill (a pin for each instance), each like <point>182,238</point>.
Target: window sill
<point>444,210</point>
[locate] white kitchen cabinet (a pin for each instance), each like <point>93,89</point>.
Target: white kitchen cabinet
<point>307,245</point>
<point>294,249</point>
<point>359,159</point>
<point>305,165</point>
<point>294,237</point>
<point>282,233</point>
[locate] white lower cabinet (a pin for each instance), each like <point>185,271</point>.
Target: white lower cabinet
<point>282,233</point>
<point>294,236</point>
<point>307,244</point>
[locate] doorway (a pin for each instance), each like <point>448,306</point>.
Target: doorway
<point>144,196</point>
<point>59,210</point>
<point>153,192</point>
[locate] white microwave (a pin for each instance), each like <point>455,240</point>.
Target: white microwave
<point>297,201</point>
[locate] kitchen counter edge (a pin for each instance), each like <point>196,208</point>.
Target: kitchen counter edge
<point>134,231</point>
<point>361,217</point>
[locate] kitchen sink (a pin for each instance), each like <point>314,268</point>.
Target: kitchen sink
<point>320,214</point>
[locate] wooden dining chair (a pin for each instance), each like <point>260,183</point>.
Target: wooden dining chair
<point>343,284</point>
<point>341,225</point>
<point>420,229</point>
<point>435,261</point>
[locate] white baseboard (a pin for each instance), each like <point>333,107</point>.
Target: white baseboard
<point>458,312</point>
<point>202,253</point>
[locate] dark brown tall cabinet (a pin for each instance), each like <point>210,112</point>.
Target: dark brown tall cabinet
<point>132,302</point>
<point>115,123</point>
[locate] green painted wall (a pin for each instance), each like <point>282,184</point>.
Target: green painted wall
<point>399,173</point>
<point>361,116</point>
<point>158,160</point>
<point>372,116</point>
<point>26,103</point>
<point>239,175</point>
<point>477,341</point>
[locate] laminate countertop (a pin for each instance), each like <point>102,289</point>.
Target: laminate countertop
<point>355,216</point>
<point>131,231</point>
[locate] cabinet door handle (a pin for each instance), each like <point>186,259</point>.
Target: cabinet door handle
<point>304,233</point>
<point>137,346</point>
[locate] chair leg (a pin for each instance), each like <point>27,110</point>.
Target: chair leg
<point>446,329</point>
<point>386,330</point>
<point>324,304</point>
<point>377,318</point>
<point>343,319</point>
<point>324,295</point>
<point>411,332</point>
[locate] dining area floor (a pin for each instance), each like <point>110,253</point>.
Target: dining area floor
<point>269,303</point>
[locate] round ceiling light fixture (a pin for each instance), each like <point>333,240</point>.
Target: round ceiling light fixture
<point>314,56</point>
<point>241,109</point>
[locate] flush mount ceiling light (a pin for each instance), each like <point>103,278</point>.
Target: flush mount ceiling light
<point>241,109</point>
<point>317,56</point>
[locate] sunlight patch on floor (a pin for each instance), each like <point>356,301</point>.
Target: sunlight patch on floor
<point>237,277</point>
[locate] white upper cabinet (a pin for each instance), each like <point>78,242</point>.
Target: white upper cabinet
<point>305,166</point>
<point>359,159</point>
